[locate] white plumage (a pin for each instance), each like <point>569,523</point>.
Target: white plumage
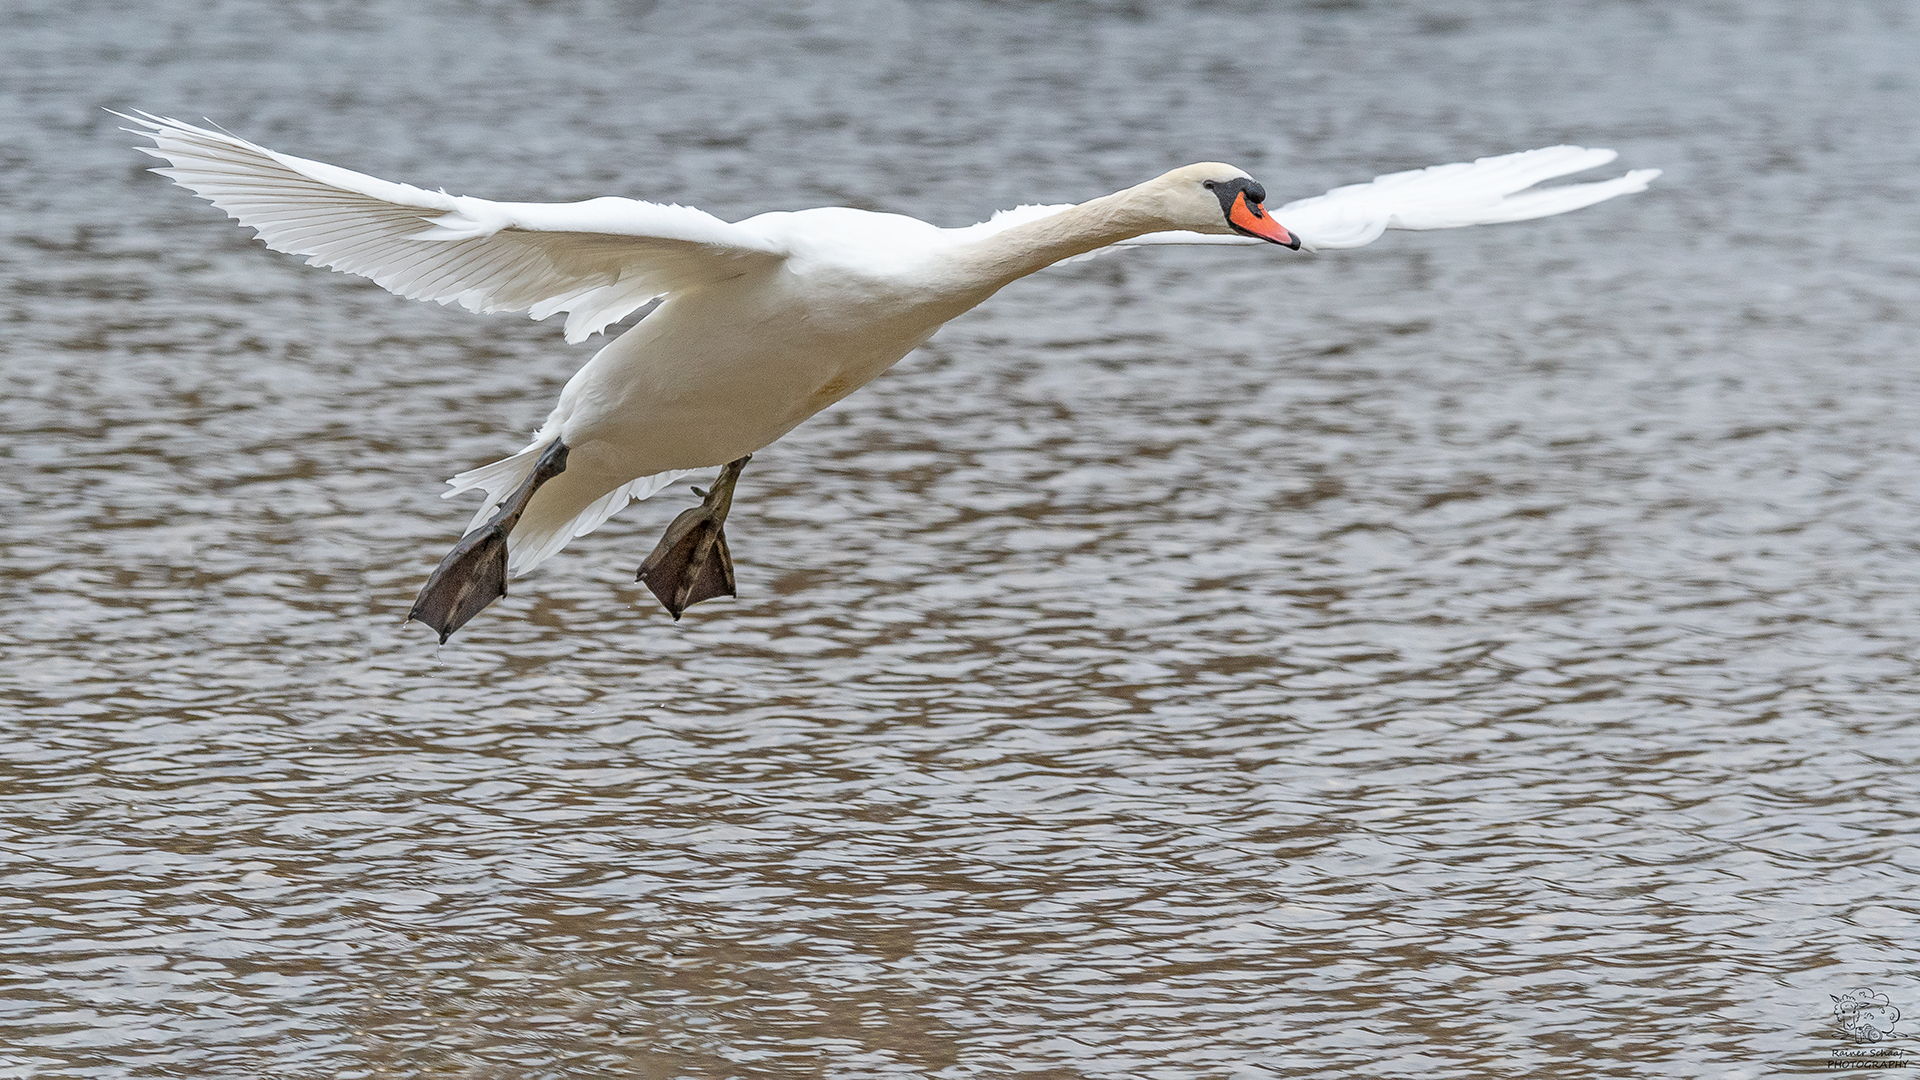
<point>765,321</point>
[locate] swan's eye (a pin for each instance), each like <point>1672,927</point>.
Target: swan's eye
<point>1208,184</point>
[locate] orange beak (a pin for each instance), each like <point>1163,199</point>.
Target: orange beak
<point>1253,220</point>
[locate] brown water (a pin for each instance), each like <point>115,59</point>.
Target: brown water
<point>1488,653</point>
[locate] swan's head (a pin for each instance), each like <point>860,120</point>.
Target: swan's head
<point>1214,198</point>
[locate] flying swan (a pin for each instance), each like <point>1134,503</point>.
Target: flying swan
<point>763,322</point>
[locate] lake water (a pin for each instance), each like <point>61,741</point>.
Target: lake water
<point>1488,653</point>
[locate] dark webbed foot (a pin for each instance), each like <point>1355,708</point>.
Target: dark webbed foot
<point>691,562</point>
<point>474,573</point>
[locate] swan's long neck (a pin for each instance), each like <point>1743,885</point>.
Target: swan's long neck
<point>1035,245</point>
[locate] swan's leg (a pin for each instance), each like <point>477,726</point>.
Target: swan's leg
<point>474,573</point>
<point>691,562</point>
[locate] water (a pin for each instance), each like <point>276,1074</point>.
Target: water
<point>1488,653</point>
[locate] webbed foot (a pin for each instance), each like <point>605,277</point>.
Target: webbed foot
<point>474,573</point>
<point>691,562</point>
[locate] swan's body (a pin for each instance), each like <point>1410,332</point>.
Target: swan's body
<point>769,320</point>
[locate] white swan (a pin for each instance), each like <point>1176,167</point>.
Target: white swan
<point>764,322</point>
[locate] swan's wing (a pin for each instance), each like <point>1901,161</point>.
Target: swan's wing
<point>598,260</point>
<point>1484,192</point>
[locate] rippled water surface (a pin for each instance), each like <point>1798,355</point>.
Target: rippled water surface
<point>1487,653</point>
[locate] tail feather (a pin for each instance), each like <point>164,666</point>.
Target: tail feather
<point>496,479</point>
<point>545,529</point>
<point>569,505</point>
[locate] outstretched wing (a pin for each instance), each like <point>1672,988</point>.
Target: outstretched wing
<point>598,260</point>
<point>1484,192</point>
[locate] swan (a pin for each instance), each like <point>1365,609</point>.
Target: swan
<point>762,322</point>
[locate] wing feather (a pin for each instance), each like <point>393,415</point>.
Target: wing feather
<point>600,260</point>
